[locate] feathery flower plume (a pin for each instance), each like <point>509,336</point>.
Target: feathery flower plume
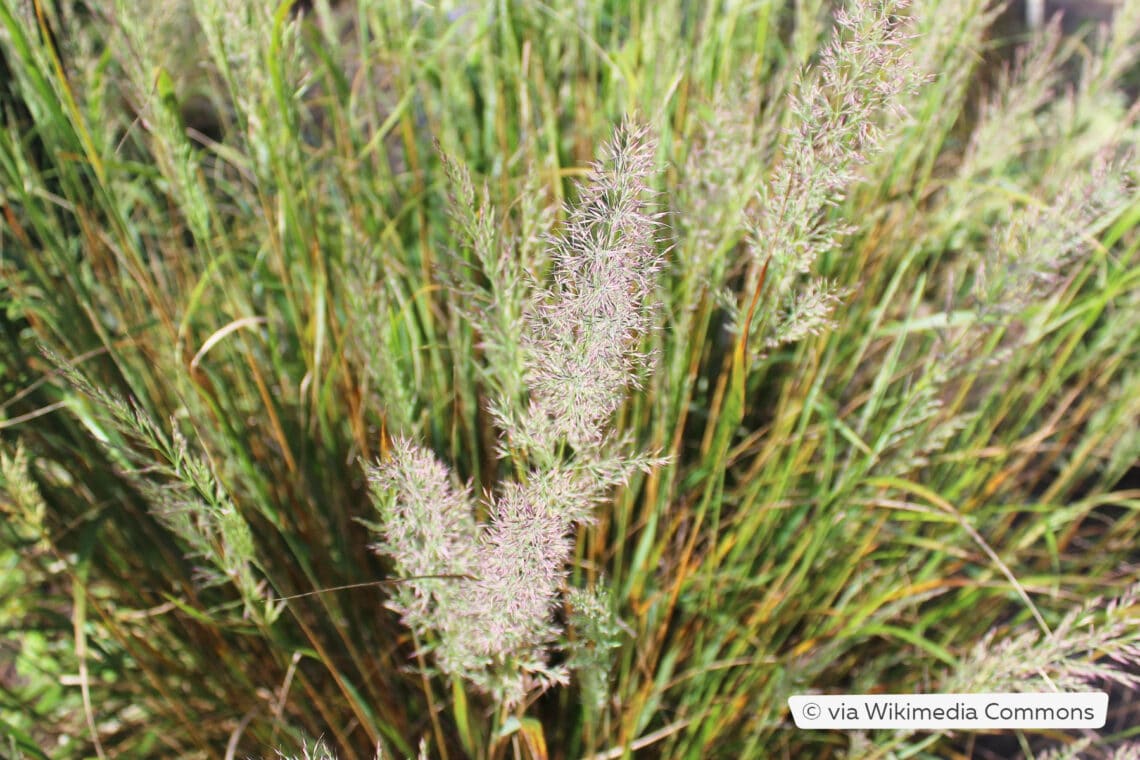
<point>839,107</point>
<point>584,330</point>
<point>491,620</point>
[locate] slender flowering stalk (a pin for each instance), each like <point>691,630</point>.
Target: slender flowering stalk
<point>582,353</point>
<point>584,330</point>
<point>843,109</point>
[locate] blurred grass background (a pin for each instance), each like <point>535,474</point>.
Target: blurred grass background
<point>225,256</point>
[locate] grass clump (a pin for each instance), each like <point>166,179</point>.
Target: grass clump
<point>821,378</point>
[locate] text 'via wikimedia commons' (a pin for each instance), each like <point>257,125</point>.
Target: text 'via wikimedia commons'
<point>945,711</point>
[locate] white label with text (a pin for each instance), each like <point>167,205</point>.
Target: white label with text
<point>938,711</point>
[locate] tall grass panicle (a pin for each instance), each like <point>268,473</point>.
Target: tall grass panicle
<point>491,618</point>
<point>837,109</point>
<point>185,493</point>
<point>1096,645</point>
